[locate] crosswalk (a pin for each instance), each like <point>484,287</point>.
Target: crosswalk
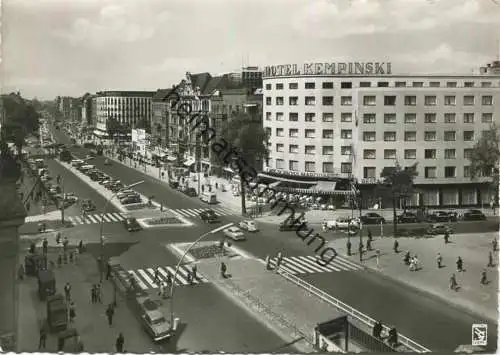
<point>195,212</point>
<point>145,278</point>
<point>109,217</point>
<point>308,264</point>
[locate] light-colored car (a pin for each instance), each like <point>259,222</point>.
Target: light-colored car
<point>343,223</point>
<point>248,225</point>
<point>124,193</point>
<point>234,233</point>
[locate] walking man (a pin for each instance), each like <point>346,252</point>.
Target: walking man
<point>360,251</point>
<point>490,259</point>
<point>43,338</point>
<point>120,340</point>
<point>98,293</point>
<point>157,275</point>
<point>460,264</point>
<point>349,246</point>
<point>67,291</point>
<point>110,312</point>
<point>45,246</point>
<point>93,294</point>
<point>446,237</point>
<point>453,282</point>
<point>439,261</point>
<point>494,244</point>
<point>72,312</point>
<point>396,246</point>
<point>370,237</point>
<point>368,245</point>
<point>223,269</point>
<point>194,269</point>
<point>378,258</point>
<point>484,278</point>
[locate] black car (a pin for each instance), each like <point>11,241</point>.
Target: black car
<point>474,215</point>
<point>284,227</point>
<point>407,217</point>
<point>190,191</point>
<point>372,218</point>
<point>209,216</point>
<point>132,225</point>
<point>130,199</point>
<point>443,216</point>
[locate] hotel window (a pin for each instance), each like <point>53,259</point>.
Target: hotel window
<point>430,136</point>
<point>310,150</point>
<point>468,100</point>
<point>346,134</point>
<point>310,116</point>
<point>328,168</point>
<point>369,136</point>
<point>268,87</point>
<point>293,148</point>
<point>486,84</point>
<point>279,86</point>
<point>468,153</point>
<point>310,101</point>
<point>293,116</point>
<point>280,164</point>
<point>389,136</point>
<point>410,100</point>
<point>369,118</point>
<point>369,154</point>
<point>418,84</point>
<point>487,100</point>
<point>450,136</point>
<point>369,100</point>
<point>327,100</point>
<point>469,84</point>
<point>269,131</point>
<point>310,133</point>
<point>449,100</point>
<point>327,117</point>
<point>389,153</point>
<point>346,168</point>
<point>293,165</point>
<point>346,117</point>
<point>487,118</point>
<point>280,101</point>
<point>450,171</point>
<point>280,132</point>
<point>469,117</point>
<point>268,116</point>
<point>345,150</point>
<point>450,153</point>
<point>400,84</point>
<point>310,167</point>
<point>328,85</point>
<point>410,154</point>
<point>430,101</point>
<point>389,118</point>
<point>434,84</point>
<point>268,101</point>
<point>310,85</point>
<point>410,136</point>
<point>293,100</point>
<point>346,100</point>
<point>430,172</point>
<point>328,150</point>
<point>293,133</point>
<point>365,84</point>
<point>430,118</point>
<point>280,116</point>
<point>328,134</point>
<point>451,84</point>
<point>430,154</point>
<point>389,100</point>
<point>467,171</point>
<point>280,148</point>
<point>369,172</point>
<point>346,85</point>
<point>293,86</point>
<point>450,118</point>
<point>468,136</point>
<point>382,84</point>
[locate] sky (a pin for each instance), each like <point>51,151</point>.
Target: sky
<point>70,47</point>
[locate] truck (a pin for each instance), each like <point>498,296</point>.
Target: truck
<point>57,312</point>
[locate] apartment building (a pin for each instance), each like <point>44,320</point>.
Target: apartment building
<point>332,127</point>
<point>159,118</point>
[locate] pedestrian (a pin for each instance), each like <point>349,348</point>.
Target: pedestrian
<point>189,278</point>
<point>58,237</point>
<point>98,293</point>
<point>110,312</point>
<point>494,244</point>
<point>446,237</point>
<point>169,280</point>
<point>45,246</point>
<point>20,272</point>
<point>370,237</point>
<point>368,245</point>
<point>72,312</point>
<point>412,264</point>
<point>161,289</point>
<point>194,269</point>
<point>65,244</point>
<point>490,259</point>
<point>223,269</point>
<point>484,278</point>
<point>378,257</point>
<point>349,247</point>
<point>164,295</point>
<point>202,188</point>
<point>360,251</point>
<point>67,291</point>
<point>32,248</point>
<point>268,262</point>
<point>108,271</point>
<point>157,275</point>
<point>93,297</point>
<point>43,338</point>
<point>439,260</point>
<point>161,207</point>
<point>416,263</point>
<point>80,246</point>
<point>453,282</point>
<point>216,185</point>
<point>396,246</point>
<point>460,264</point>
<point>120,340</point>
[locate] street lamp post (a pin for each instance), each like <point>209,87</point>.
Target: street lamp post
<point>172,287</point>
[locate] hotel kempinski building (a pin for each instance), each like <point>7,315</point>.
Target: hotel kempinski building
<point>326,127</point>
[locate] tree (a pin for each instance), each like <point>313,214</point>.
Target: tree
<point>485,157</point>
<point>397,182</point>
<point>144,124</point>
<point>244,133</point>
<point>112,126</point>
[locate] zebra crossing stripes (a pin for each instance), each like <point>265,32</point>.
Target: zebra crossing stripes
<point>146,277</point>
<point>308,265</point>
<point>109,217</point>
<point>195,212</point>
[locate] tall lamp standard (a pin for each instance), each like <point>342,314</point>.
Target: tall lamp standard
<point>101,226</point>
<point>172,287</point>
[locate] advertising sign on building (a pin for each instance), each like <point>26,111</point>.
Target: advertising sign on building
<point>138,136</point>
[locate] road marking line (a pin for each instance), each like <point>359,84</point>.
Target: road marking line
<point>185,273</point>
<point>113,217</point>
<point>151,273</point>
<point>118,216</point>
<point>349,263</point>
<point>79,220</point>
<point>107,218</point>
<point>285,267</point>
<point>86,221</point>
<point>141,284</point>
<point>146,277</point>
<point>72,220</point>
<point>179,277</point>
<point>329,267</point>
<point>292,264</point>
<point>313,265</point>
<point>190,213</point>
<point>91,218</point>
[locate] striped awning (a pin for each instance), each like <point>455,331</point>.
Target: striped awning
<point>314,191</point>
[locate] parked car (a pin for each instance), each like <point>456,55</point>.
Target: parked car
<point>130,199</point>
<point>132,225</point>
<point>125,193</point>
<point>372,218</point>
<point>234,233</point>
<point>407,217</point>
<point>190,191</point>
<point>343,223</point>
<point>209,216</point>
<point>285,226</point>
<point>248,225</point>
<point>474,215</point>
<point>439,228</point>
<point>443,216</point>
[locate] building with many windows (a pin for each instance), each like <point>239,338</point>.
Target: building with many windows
<point>326,128</point>
<point>159,118</point>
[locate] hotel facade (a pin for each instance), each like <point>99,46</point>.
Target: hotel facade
<point>325,128</point>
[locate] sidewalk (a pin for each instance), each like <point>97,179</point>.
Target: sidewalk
<point>477,298</point>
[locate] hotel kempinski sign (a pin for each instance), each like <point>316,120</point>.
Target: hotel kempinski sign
<point>350,68</point>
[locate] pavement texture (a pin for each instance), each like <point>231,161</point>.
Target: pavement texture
<point>472,295</point>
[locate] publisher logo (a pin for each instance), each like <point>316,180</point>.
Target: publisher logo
<point>479,334</point>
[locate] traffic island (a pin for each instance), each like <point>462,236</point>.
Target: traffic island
<point>156,222</point>
<point>207,250</point>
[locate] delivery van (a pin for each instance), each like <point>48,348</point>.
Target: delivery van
<point>209,197</point>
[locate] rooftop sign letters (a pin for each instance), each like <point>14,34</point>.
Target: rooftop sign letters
<point>352,68</point>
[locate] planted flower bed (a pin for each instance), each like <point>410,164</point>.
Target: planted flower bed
<point>136,206</point>
<point>162,220</point>
<point>207,252</point>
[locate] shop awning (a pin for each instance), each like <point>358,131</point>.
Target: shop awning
<point>325,186</point>
<point>313,191</point>
<point>189,162</point>
<point>171,158</point>
<point>160,155</point>
<point>288,180</point>
<point>100,133</point>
